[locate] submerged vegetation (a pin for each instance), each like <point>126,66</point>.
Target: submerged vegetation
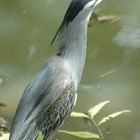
<point>4,135</point>
<point>90,115</point>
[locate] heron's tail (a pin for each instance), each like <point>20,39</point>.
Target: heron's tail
<point>28,132</point>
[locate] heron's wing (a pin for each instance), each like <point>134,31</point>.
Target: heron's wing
<point>51,117</point>
<point>40,92</point>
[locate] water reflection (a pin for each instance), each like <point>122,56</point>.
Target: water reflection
<point>31,54</point>
<point>129,35</point>
<point>129,38</point>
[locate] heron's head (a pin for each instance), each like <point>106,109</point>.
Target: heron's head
<point>78,10</point>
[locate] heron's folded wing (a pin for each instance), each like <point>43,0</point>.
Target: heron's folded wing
<point>50,118</point>
<point>38,93</point>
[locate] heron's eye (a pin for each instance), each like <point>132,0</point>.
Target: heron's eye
<point>92,6</point>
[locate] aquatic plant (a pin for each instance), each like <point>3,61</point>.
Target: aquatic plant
<point>1,132</point>
<point>90,115</point>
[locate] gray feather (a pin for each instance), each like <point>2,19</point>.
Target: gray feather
<point>41,92</point>
<point>73,10</point>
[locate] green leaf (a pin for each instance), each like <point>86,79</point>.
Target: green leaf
<point>40,136</point>
<point>78,115</point>
<point>81,134</point>
<point>1,132</point>
<point>114,115</point>
<point>93,111</point>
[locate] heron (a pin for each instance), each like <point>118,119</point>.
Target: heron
<point>51,95</point>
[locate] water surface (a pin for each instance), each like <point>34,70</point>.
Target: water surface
<point>112,70</point>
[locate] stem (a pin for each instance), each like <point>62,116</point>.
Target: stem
<point>99,131</point>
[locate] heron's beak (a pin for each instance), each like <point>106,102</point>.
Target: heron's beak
<point>97,2</point>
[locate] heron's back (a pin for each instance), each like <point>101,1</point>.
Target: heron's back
<point>46,103</point>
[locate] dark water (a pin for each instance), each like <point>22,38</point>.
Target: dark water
<point>112,70</point>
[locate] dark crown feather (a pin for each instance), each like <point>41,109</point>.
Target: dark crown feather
<point>73,10</point>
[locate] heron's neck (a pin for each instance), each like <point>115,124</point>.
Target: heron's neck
<point>73,42</point>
